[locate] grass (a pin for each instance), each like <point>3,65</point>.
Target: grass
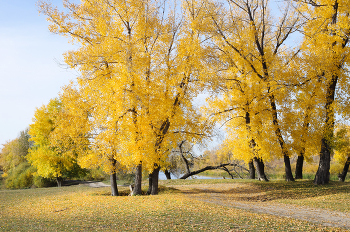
<point>89,209</point>
<point>334,196</point>
<point>269,174</point>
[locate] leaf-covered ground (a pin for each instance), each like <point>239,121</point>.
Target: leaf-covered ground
<point>81,208</point>
<point>327,205</point>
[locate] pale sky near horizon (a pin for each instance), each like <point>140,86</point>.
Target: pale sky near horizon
<point>30,74</point>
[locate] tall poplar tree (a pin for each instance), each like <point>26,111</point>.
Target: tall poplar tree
<point>255,43</point>
<point>326,42</point>
<point>138,65</point>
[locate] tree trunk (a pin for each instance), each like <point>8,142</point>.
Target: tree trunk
<point>150,184</point>
<point>167,174</point>
<point>342,175</point>
<point>155,178</point>
<point>322,174</point>
<point>184,158</point>
<point>287,167</point>
<point>185,176</point>
<point>299,167</point>
<point>260,169</point>
<point>59,181</point>
<point>114,187</point>
<point>251,170</point>
<point>138,179</point>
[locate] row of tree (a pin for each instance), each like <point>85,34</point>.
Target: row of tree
<point>143,62</point>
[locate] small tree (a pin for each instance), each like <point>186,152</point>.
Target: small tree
<point>50,161</point>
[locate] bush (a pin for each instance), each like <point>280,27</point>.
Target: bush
<point>20,176</point>
<point>41,182</point>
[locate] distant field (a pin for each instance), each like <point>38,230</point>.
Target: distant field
<point>81,208</point>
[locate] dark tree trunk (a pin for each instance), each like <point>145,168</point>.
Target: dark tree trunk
<point>288,168</point>
<point>251,170</point>
<point>155,178</point>
<point>322,174</point>
<point>342,175</point>
<point>150,184</point>
<point>209,168</point>
<point>184,158</point>
<point>138,179</point>
<point>299,167</point>
<point>167,174</point>
<point>114,187</point>
<point>260,169</point>
<point>59,181</point>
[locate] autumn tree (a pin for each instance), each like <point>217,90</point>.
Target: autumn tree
<point>17,171</point>
<point>342,150</point>
<point>51,161</point>
<point>256,68</point>
<point>138,65</point>
<point>326,42</point>
<point>75,131</point>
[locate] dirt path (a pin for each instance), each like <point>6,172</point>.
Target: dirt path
<point>229,195</point>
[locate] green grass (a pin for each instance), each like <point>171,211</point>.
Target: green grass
<point>80,208</point>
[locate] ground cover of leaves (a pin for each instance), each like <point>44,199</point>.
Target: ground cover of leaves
<point>327,205</point>
<point>81,208</point>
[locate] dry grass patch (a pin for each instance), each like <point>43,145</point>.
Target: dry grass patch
<point>80,208</point>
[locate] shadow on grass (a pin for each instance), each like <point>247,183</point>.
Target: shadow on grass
<point>274,190</point>
<point>126,191</point>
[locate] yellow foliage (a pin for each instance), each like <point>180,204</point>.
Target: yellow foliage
<point>138,64</point>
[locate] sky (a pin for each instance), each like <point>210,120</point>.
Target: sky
<point>30,70</point>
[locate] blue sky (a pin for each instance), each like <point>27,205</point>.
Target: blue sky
<point>30,74</point>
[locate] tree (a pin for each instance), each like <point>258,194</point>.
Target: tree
<point>75,131</point>
<point>17,171</point>
<point>138,67</point>
<point>342,150</point>
<point>256,70</point>
<point>326,42</point>
<point>50,161</point>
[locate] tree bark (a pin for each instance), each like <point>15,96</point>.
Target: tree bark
<point>251,170</point>
<point>114,186</point>
<point>322,174</point>
<point>184,158</point>
<point>260,169</point>
<point>342,175</point>
<point>167,174</point>
<point>299,167</point>
<point>150,181</point>
<point>155,178</point>
<point>138,179</point>
<point>59,181</point>
<point>287,167</point>
<point>207,168</point>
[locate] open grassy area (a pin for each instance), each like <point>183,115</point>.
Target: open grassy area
<point>81,208</point>
<point>334,196</point>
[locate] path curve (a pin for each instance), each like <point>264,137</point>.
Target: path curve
<point>214,194</point>
<point>315,215</point>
